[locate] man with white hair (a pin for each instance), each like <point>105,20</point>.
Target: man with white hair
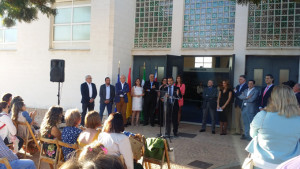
<point>88,95</point>
<point>121,99</point>
<point>296,89</point>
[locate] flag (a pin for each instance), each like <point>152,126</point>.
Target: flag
<point>155,75</point>
<point>143,82</point>
<point>129,104</point>
<point>118,82</point>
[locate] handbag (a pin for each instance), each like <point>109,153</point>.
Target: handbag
<point>248,162</point>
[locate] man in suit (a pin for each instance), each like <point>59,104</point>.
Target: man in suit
<point>266,92</point>
<point>209,95</point>
<point>150,99</point>
<point>172,107</point>
<point>107,95</point>
<point>249,107</point>
<point>121,98</point>
<point>88,95</point>
<point>239,89</point>
<point>296,89</point>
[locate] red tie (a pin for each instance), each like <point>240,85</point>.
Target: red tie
<point>266,90</point>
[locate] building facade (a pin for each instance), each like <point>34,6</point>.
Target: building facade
<point>199,39</point>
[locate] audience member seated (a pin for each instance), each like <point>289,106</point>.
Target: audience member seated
<point>8,130</point>
<point>92,121</point>
<point>13,101</point>
<point>13,159</point>
<point>71,132</point>
<point>114,140</point>
<point>19,114</point>
<point>276,130</point>
<point>293,163</point>
<point>7,98</point>
<point>49,129</point>
<point>94,156</point>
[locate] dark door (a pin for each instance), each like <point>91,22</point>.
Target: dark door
<point>174,66</point>
<point>151,63</point>
<point>283,68</point>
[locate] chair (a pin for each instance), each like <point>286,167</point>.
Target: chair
<point>5,162</point>
<point>148,160</point>
<point>27,139</point>
<point>43,158</point>
<point>61,144</point>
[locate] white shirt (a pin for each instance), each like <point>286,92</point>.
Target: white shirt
<point>9,127</point>
<point>90,89</point>
<point>249,90</point>
<point>117,144</point>
<point>122,84</point>
<point>107,92</point>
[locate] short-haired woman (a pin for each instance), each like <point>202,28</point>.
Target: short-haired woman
<point>50,130</point>
<point>114,140</point>
<point>92,121</point>
<point>276,130</point>
<point>137,94</point>
<point>71,132</point>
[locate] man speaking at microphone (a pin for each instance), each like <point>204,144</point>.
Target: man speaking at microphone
<point>172,107</point>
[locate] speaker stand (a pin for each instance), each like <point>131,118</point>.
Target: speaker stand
<point>58,94</point>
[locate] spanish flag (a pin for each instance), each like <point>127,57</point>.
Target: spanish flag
<point>129,104</point>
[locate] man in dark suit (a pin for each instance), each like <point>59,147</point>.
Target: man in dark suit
<point>121,99</point>
<point>150,99</point>
<point>239,89</point>
<point>172,107</point>
<point>209,95</point>
<point>88,95</point>
<point>266,92</point>
<point>296,89</point>
<point>107,95</point>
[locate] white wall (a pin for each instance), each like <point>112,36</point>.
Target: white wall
<point>27,70</point>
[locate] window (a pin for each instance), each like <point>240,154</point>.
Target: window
<point>71,26</point>
<point>8,37</point>
<point>203,62</point>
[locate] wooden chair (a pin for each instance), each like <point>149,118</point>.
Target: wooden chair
<point>43,158</point>
<point>148,160</point>
<point>5,162</point>
<point>27,139</point>
<point>61,144</point>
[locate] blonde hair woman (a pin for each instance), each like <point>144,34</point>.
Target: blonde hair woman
<point>276,130</point>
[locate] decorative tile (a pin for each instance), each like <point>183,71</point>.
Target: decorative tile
<point>153,28</point>
<point>274,23</point>
<point>210,20</point>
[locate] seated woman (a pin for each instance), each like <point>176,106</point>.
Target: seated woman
<point>114,140</point>
<point>19,114</point>
<point>276,130</point>
<point>71,132</point>
<point>94,156</point>
<point>8,130</point>
<point>92,121</point>
<point>49,129</point>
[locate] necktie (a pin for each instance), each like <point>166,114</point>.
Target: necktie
<point>266,90</point>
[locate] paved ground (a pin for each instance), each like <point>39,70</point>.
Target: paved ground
<point>205,150</point>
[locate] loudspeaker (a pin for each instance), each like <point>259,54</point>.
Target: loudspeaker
<point>57,70</point>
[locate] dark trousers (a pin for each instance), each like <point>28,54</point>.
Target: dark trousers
<point>108,107</point>
<point>85,106</point>
<point>21,141</point>
<point>172,117</point>
<point>212,112</point>
<point>149,107</point>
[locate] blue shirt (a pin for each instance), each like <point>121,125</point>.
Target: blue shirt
<point>27,116</point>
<point>69,135</point>
<point>275,137</point>
<point>6,152</point>
<point>107,92</point>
